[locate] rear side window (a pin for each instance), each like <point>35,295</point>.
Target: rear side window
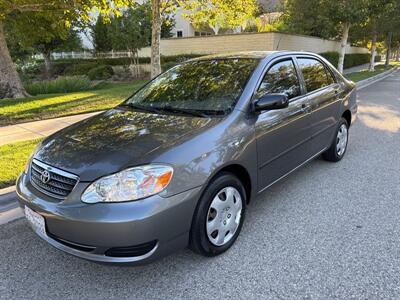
<point>281,78</point>
<point>315,74</point>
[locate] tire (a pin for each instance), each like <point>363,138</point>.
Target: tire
<point>338,148</point>
<point>206,216</point>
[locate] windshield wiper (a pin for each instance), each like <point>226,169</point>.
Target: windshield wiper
<point>192,112</point>
<point>142,108</point>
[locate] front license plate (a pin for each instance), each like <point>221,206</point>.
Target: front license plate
<point>36,221</point>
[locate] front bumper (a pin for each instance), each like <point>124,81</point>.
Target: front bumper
<point>157,226</point>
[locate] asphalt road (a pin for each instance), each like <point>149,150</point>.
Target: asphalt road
<point>327,231</point>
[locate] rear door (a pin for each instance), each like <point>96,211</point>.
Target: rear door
<point>323,93</point>
<point>283,135</point>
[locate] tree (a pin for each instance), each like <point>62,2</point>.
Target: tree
<point>218,14</point>
<point>66,10</point>
<point>160,9</point>
<point>41,34</point>
<point>309,18</point>
<point>345,13</point>
<point>390,27</point>
<point>132,31</point>
<point>19,54</point>
<point>381,28</point>
<point>70,42</point>
<point>101,37</point>
<point>168,23</point>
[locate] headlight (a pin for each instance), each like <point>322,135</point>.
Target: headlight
<point>130,184</point>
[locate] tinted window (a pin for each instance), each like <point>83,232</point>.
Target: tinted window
<point>315,74</point>
<point>211,86</point>
<point>281,78</point>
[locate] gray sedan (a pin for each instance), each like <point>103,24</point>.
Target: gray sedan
<point>177,163</point>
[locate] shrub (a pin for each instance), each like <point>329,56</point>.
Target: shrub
<point>101,73</point>
<point>77,66</point>
<point>59,85</point>
<point>82,68</point>
<point>121,60</point>
<point>378,58</point>
<point>332,57</point>
<point>350,60</point>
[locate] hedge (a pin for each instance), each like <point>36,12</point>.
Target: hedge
<point>101,73</point>
<point>350,60</point>
<point>73,67</point>
<point>59,85</point>
<point>76,66</point>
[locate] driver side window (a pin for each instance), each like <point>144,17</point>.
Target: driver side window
<point>281,78</point>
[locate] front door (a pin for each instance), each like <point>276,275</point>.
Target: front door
<point>283,136</point>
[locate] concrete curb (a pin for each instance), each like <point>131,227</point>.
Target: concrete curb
<point>7,199</point>
<point>366,82</point>
<point>9,209</point>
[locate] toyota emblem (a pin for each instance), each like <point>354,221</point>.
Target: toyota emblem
<point>45,176</point>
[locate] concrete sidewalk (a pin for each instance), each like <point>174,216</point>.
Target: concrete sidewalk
<point>37,129</point>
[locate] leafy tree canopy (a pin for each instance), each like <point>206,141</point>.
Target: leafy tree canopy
<point>218,14</point>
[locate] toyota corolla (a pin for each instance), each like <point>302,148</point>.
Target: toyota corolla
<point>176,164</point>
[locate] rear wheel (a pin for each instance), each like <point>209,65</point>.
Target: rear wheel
<point>219,216</point>
<point>339,145</point>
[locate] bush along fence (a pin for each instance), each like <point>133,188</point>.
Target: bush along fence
<point>101,68</point>
<point>350,60</point>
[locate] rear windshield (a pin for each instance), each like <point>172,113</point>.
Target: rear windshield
<point>207,86</point>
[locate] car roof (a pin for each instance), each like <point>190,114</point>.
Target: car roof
<point>251,54</point>
<point>232,55</point>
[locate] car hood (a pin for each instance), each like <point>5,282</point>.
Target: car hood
<point>115,140</point>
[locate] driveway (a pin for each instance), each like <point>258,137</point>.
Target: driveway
<point>327,231</point>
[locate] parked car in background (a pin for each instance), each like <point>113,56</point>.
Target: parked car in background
<point>177,163</point>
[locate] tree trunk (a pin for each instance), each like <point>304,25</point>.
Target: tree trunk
<point>155,38</point>
<point>388,50</point>
<point>373,52</point>
<point>215,28</point>
<point>398,54</point>
<point>47,64</point>
<point>10,83</point>
<point>343,44</point>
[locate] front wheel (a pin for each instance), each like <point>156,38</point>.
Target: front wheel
<point>219,216</point>
<point>339,145</point>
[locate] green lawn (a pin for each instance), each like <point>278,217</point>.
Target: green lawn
<point>41,107</point>
<point>13,158</point>
<point>358,76</point>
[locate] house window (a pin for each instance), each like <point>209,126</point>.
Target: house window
<point>179,33</point>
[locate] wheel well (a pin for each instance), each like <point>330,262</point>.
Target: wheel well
<point>243,176</point>
<point>347,116</point>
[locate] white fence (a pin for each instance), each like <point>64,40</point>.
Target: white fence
<point>85,55</point>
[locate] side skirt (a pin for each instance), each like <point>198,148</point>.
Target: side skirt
<point>302,164</point>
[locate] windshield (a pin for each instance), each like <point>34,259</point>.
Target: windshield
<point>208,87</point>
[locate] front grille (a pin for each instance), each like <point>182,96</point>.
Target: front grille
<point>52,181</point>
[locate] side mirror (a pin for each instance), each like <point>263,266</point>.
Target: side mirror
<point>271,101</point>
